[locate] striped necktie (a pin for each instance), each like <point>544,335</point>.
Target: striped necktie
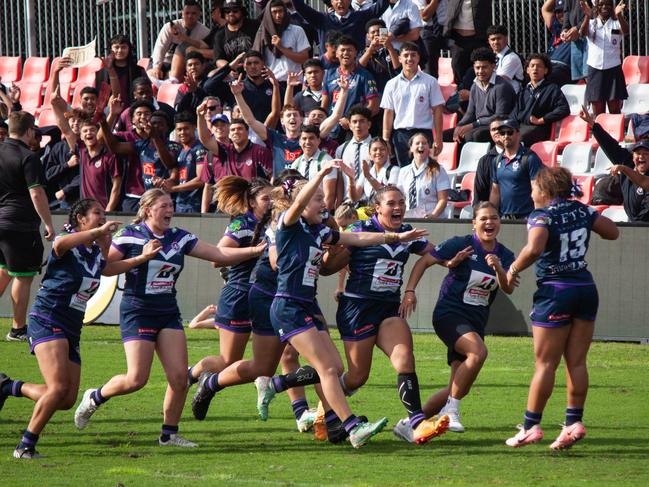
<point>357,160</point>
<point>412,193</point>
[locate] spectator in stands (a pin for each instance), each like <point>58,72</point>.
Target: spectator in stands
<point>142,91</point>
<point>404,22</point>
<point>238,34</point>
<point>606,85</point>
<point>638,126</point>
<point>412,103</point>
<point>573,17</point>
<point>286,146</point>
<point>191,92</point>
<point>356,150</point>
<point>89,96</point>
<point>487,164</point>
<point>516,168</point>
<point>362,86</point>
<point>380,57</point>
<point>424,182</point>
<point>558,50</point>
<point>508,63</point>
<point>62,166</point>
<point>466,27</point>
<point>316,117</point>
<point>328,57</point>
<point>217,82</point>
<point>260,89</point>
<point>297,19</point>
<point>284,45</point>
<point>191,164</point>
<point>433,14</point>
<point>120,68</point>
<point>23,205</point>
<point>101,174</point>
<point>311,161</point>
<point>377,171</point>
<point>632,168</point>
<point>205,48</point>
<point>311,94</point>
<point>342,19</point>
<point>490,95</point>
<point>9,100</point>
<point>220,128</point>
<point>4,131</point>
<point>540,103</point>
<point>151,154</point>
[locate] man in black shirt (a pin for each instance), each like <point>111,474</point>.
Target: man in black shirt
<point>23,204</point>
<point>236,36</point>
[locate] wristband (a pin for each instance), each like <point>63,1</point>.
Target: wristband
<point>409,291</point>
<point>391,237</point>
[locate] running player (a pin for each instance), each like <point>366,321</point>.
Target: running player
<point>149,317</point>
<point>368,310</point>
<point>479,266</point>
<point>246,202</point>
<point>565,304</point>
<point>54,328</point>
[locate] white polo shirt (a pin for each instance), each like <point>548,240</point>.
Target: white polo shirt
<point>309,167</point>
<point>509,65</point>
<point>426,189</point>
<point>403,9</point>
<point>294,39</point>
<point>388,174</point>
<point>412,100</point>
<point>604,49</point>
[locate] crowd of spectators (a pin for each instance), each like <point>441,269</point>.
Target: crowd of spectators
<point>287,86</point>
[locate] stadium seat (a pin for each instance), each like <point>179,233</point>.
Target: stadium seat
<point>450,121</point>
<point>46,117</point>
<point>576,157</point>
<point>467,213</point>
<point>575,96</point>
<point>448,157</point>
<point>636,69</point>
<point>586,183</point>
<point>31,97</point>
<point>468,181</point>
<point>447,90</point>
<point>9,69</point>
<point>613,124</point>
<point>64,91</point>
<point>86,74</point>
<point>602,163</point>
<point>616,213</point>
<point>469,157</point>
<point>35,70</point>
<point>573,129</point>
<point>67,75</point>
<point>638,100</point>
<point>144,62</point>
<point>445,71</point>
<point>600,208</point>
<point>76,98</point>
<point>167,93</point>
<point>548,151</point>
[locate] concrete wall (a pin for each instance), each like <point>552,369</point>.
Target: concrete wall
<point>620,270</point>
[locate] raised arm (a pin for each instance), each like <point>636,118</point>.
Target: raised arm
<point>59,107</point>
<point>276,102</point>
<point>204,134</point>
<point>225,256</point>
<point>237,90</point>
<point>66,242</point>
<point>329,123</point>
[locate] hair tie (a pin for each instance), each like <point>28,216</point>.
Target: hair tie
<point>575,189</point>
<point>67,227</point>
<point>288,186</point>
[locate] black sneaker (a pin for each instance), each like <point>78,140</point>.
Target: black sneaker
<point>3,380</point>
<point>202,397</point>
<point>17,335</point>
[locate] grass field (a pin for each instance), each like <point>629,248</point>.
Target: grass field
<point>119,445</point>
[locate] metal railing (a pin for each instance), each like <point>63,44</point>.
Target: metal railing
<point>45,28</point>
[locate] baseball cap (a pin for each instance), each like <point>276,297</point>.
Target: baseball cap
<point>232,5</point>
<point>641,145</point>
<point>220,118</point>
<point>511,123</point>
<point>559,5</point>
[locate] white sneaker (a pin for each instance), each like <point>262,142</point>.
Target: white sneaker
<point>305,423</point>
<point>85,410</point>
<point>454,423</point>
<point>403,430</point>
<point>177,440</point>
<point>27,454</point>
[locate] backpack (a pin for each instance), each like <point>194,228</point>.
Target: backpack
<point>607,191</point>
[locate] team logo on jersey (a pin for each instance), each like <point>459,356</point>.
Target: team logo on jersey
<point>235,226</point>
<point>175,246</point>
<point>639,191</point>
<point>427,191</point>
<point>269,92</point>
<point>98,164</point>
<point>421,99</point>
<point>478,289</point>
<point>515,166</point>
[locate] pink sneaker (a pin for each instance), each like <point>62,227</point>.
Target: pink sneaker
<point>525,437</point>
<point>569,436</point>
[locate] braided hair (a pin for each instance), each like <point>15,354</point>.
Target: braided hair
<point>79,209</point>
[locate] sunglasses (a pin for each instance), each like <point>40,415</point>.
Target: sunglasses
<point>212,107</point>
<point>506,132</point>
<point>231,11</point>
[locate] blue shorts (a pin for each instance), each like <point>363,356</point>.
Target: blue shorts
<point>260,304</point>
<point>449,328</point>
<point>558,303</point>
<point>290,317</point>
<point>140,324</point>
<point>40,330</point>
<point>233,311</point>
<point>360,318</point>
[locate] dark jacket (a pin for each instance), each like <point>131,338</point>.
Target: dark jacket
<point>484,176</point>
<point>499,100</point>
<point>482,12</point>
<point>60,175</point>
<point>547,101</point>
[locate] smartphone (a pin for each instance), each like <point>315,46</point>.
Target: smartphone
<point>383,32</point>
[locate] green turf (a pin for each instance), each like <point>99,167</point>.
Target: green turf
<point>119,444</point>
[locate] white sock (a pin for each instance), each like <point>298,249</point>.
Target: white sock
<point>452,404</point>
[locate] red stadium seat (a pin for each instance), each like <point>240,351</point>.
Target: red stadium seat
<point>447,90</point>
<point>64,90</point>
<point>450,121</point>
<point>445,71</point>
<point>600,208</point>
<point>144,62</point>
<point>613,124</point>
<point>31,97</point>
<point>36,70</point>
<point>9,69</point>
<point>636,69</point>
<point>448,157</point>
<point>587,183</point>
<point>167,93</point>
<point>468,182</point>
<point>76,98</point>
<point>573,129</point>
<point>46,117</point>
<point>547,152</point>
<point>67,75</point>
<point>86,74</point>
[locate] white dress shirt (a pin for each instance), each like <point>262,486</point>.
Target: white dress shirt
<point>604,43</point>
<point>425,186</point>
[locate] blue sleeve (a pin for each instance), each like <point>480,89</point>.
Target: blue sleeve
<point>448,248</point>
<point>538,218</point>
<point>533,165</point>
<point>238,229</point>
<point>188,241</point>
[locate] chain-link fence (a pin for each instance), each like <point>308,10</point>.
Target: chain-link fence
<point>45,28</point>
